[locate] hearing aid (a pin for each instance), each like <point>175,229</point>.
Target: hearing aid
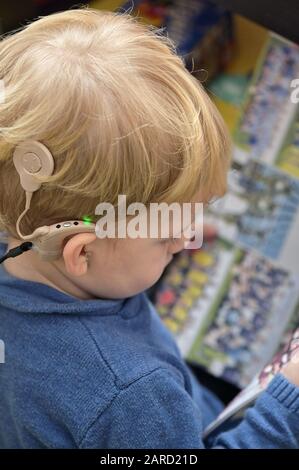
<point>31,160</point>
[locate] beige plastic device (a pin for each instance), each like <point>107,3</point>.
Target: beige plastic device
<point>32,158</point>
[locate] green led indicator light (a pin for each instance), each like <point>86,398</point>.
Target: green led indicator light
<point>87,220</point>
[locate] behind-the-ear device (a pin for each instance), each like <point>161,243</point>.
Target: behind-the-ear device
<point>49,246</point>
<point>32,159</point>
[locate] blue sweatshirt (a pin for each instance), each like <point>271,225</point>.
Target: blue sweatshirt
<point>108,374</point>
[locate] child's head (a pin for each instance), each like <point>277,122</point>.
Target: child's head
<point>120,114</point>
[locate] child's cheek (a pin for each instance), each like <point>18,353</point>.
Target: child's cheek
<point>155,268</point>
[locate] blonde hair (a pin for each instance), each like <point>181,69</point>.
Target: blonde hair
<point>114,103</point>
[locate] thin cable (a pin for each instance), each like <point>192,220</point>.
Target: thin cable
<point>27,206</point>
<point>18,250</point>
<point>37,232</point>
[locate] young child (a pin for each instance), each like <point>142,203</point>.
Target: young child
<point>88,362</point>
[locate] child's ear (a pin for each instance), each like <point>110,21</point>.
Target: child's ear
<point>74,253</point>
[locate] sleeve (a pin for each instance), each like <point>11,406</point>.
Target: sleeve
<point>273,423</point>
<point>156,412</point>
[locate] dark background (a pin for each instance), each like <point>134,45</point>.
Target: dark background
<point>281,16</point>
